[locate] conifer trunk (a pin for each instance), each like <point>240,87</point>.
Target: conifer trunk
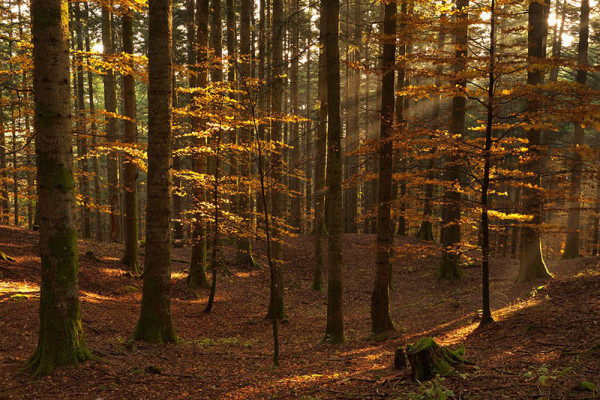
<point>320,163</point>
<point>197,274</point>
<point>155,324</point>
<point>130,258</point>
<point>380,301</point>
<point>572,242</point>
<point>449,267</point>
<point>110,104</point>
<point>61,339</point>
<point>334,332</point>
<point>531,260</point>
<point>276,308</point>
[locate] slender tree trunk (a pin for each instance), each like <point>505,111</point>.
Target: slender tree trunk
<point>155,324</point>
<point>572,242</point>
<point>449,267</point>
<point>4,171</point>
<point>244,244</point>
<point>485,230</point>
<point>197,274</point>
<point>60,339</point>
<point>295,184</point>
<point>426,229</point>
<point>531,262</point>
<point>130,258</point>
<point>380,300</point>
<point>276,308</point>
<point>110,104</point>
<point>95,166</point>
<point>334,332</point>
<point>320,163</point>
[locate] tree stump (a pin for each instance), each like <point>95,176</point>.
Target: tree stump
<point>427,359</point>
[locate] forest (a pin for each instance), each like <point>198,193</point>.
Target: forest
<point>296,199</point>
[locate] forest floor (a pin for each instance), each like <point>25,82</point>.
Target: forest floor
<point>539,347</point>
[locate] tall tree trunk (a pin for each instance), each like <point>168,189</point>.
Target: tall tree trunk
<point>308,139</point>
<point>155,324</point>
<point>4,171</point>
<point>426,228</point>
<point>449,267</point>
<point>82,148</point>
<point>276,308</point>
<point>380,300</point>
<point>334,332</point>
<point>197,274</point>
<point>95,165</point>
<point>110,104</point>
<point>320,162</point>
<point>353,128</point>
<point>572,242</point>
<point>60,340</point>
<point>244,245</point>
<point>295,184</point>
<point>531,261</point>
<point>130,258</point>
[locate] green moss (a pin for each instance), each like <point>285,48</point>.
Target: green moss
<point>19,297</point>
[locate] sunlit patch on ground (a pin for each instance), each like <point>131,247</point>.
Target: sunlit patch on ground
<point>16,290</point>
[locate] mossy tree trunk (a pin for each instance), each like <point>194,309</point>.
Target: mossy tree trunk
<point>531,261</point>
<point>276,307</point>
<point>197,273</point>
<point>155,324</point>
<point>380,300</point>
<point>61,339</point>
<point>130,258</point>
<point>572,242</point>
<point>334,332</point>
<point>449,267</point>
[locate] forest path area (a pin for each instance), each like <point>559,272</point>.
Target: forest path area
<point>540,347</point>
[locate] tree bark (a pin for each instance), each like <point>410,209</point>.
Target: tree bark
<point>572,241</point>
<point>531,260</point>
<point>61,339</point>
<point>155,324</point>
<point>110,104</point>
<point>130,258</point>
<point>449,267</point>
<point>334,332</point>
<point>276,307</point>
<point>380,300</point>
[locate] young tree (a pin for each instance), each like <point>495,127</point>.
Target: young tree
<point>155,324</point>
<point>334,332</point>
<point>380,301</point>
<point>61,340</point>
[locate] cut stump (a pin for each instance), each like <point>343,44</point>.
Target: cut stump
<point>428,359</point>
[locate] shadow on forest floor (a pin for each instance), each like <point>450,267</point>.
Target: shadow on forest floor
<point>537,348</point>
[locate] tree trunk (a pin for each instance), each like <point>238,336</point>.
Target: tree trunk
<point>244,244</point>
<point>531,261</point>
<point>197,274</point>
<point>334,332</point>
<point>276,308</point>
<point>449,267</point>
<point>380,301</point>
<point>572,242</point>
<point>320,163</point>
<point>130,258</point>
<point>155,324</point>
<point>61,339</point>
<point>110,104</point>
